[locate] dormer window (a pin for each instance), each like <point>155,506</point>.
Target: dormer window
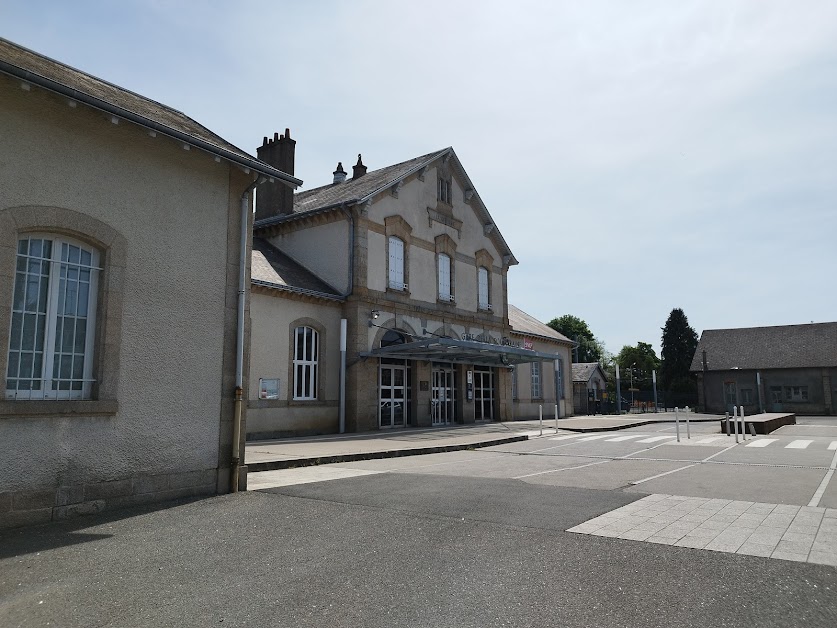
<point>445,195</point>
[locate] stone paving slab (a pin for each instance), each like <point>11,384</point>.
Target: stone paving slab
<point>798,533</point>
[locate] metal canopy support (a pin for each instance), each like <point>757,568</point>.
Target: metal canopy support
<point>460,352</point>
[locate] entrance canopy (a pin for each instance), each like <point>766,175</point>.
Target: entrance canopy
<point>460,352</point>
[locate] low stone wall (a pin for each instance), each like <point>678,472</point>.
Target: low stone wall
<point>29,507</point>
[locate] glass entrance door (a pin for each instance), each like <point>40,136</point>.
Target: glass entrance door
<point>483,394</point>
<point>392,402</point>
<point>442,394</point>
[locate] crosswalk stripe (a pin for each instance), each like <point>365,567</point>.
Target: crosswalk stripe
<point>566,436</point>
<point>706,441</point>
<point>619,439</point>
<point>832,446</point>
<point>654,439</point>
<point>799,444</point>
<point>762,442</point>
<point>596,437</point>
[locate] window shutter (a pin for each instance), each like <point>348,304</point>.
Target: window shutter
<point>396,263</point>
<point>444,276</point>
<point>483,287</point>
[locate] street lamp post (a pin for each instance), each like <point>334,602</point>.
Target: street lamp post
<point>632,385</point>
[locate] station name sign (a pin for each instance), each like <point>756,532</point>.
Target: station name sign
<point>493,340</point>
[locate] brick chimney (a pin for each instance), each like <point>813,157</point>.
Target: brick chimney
<point>358,170</point>
<point>276,199</point>
<point>339,174</point>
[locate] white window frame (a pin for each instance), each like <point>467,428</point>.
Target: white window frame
<point>536,380</point>
<point>396,263</point>
<point>444,264</point>
<point>52,386</point>
<point>306,370</point>
<point>445,191</point>
<point>483,292</point>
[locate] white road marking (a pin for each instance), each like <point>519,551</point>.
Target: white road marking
<point>799,444</point>
<point>762,442</point>
<point>596,437</point>
<point>706,441</point>
<point>654,439</point>
<point>566,437</point>
<point>659,475</point>
<point>815,500</point>
<point>832,446</point>
<point>619,439</point>
<point>581,466</point>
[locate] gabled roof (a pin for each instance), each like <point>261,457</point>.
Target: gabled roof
<point>583,371</point>
<point>784,346</point>
<point>33,68</point>
<point>271,268</point>
<point>360,189</point>
<point>365,188</point>
<point>527,325</point>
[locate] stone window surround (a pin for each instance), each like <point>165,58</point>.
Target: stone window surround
<point>398,227</point>
<point>321,361</point>
<point>112,247</point>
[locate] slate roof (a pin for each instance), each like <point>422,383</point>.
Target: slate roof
<point>523,323</point>
<point>583,371</point>
<point>784,346</point>
<point>271,267</point>
<point>31,67</point>
<point>368,185</point>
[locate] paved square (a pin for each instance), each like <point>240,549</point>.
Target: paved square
<point>799,533</point>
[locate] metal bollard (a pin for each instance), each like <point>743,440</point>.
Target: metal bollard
<point>540,411</point>
<point>677,422</point>
<point>735,423</point>
<point>556,418</point>
<point>726,414</point>
<point>743,424</point>
<point>688,431</point>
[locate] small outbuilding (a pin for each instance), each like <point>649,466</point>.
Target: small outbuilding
<point>589,385</point>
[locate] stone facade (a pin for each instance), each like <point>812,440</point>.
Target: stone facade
<point>342,234</point>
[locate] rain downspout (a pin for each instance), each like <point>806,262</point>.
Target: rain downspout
<point>239,346</point>
<point>342,410</point>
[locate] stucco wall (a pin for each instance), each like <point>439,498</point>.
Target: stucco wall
<point>818,381</point>
<point>322,249</point>
<point>526,406</point>
<point>172,207</point>
<point>273,319</point>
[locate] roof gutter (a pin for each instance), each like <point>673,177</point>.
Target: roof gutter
<point>102,105</point>
<point>303,291</point>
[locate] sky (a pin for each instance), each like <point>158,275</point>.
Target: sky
<point>636,156</point>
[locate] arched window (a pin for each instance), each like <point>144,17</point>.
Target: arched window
<point>51,340</point>
<point>396,263</point>
<point>445,283</point>
<point>306,362</point>
<point>484,302</point>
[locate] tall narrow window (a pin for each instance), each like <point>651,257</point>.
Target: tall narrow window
<point>445,191</point>
<point>306,360</point>
<point>396,263</point>
<point>536,380</point>
<point>445,288</point>
<point>53,320</point>
<point>482,279</point>
<point>514,382</point>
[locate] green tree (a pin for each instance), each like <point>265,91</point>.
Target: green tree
<point>678,346</point>
<point>589,348</point>
<point>642,359</point>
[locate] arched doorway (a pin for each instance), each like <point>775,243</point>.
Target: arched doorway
<point>394,385</point>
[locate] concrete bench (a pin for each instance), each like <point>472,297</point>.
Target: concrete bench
<point>762,423</point>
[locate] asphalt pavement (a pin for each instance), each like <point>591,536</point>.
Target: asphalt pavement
<point>467,538</point>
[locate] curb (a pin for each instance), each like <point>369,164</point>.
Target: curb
<point>274,465</point>
<point>629,425</point>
